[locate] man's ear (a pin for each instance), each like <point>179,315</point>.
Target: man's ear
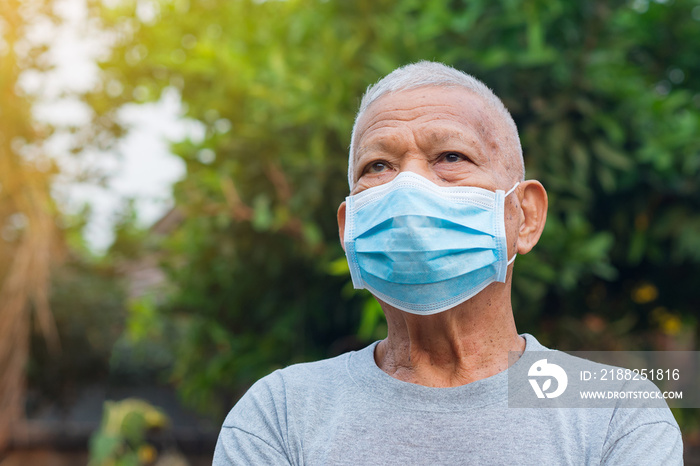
<point>341,223</point>
<point>533,205</point>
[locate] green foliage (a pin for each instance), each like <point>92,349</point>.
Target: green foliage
<point>129,237</point>
<point>605,96</point>
<point>121,439</point>
<point>87,304</point>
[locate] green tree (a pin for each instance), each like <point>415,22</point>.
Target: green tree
<point>606,99</point>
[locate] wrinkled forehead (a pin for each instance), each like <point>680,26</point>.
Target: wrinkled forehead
<point>433,104</point>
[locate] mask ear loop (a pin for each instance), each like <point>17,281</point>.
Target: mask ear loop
<point>506,195</point>
<point>512,189</point>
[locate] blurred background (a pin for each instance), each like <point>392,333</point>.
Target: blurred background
<point>170,172</point>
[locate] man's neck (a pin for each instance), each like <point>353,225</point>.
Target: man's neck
<point>452,348</point>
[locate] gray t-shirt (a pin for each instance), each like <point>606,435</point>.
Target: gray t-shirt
<point>347,411</point>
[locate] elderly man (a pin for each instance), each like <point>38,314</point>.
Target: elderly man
<point>437,213</point>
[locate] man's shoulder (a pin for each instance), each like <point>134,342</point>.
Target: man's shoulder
<point>298,384</point>
<point>308,374</point>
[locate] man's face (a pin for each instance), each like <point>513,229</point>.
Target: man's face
<point>447,135</point>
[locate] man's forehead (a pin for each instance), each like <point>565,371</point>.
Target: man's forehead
<point>427,96</point>
<point>442,105</point>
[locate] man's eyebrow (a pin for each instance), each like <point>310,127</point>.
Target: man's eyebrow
<point>377,144</point>
<point>438,136</point>
<point>470,139</point>
<point>443,135</point>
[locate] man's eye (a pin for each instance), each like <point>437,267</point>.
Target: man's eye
<point>452,157</point>
<point>376,167</point>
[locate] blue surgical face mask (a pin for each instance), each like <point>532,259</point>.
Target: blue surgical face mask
<point>424,248</point>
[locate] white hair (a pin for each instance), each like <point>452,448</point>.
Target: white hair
<point>425,74</point>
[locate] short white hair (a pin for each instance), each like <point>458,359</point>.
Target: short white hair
<point>427,74</point>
